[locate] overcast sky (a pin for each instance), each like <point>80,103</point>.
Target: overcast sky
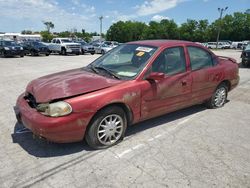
<point>17,15</point>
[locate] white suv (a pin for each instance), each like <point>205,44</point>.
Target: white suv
<point>64,46</point>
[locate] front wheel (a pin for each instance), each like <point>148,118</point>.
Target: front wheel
<point>63,51</point>
<point>219,97</point>
<point>107,128</point>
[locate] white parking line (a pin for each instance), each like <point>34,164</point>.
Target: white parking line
<point>138,146</point>
<point>124,153</point>
<point>158,136</point>
<point>153,138</point>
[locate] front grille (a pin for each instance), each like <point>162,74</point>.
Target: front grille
<point>31,100</point>
<point>74,47</point>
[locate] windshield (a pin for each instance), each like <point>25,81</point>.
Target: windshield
<point>247,47</point>
<point>10,43</point>
<point>125,61</point>
<point>66,40</point>
<point>38,44</point>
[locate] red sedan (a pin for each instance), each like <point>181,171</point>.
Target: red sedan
<point>131,83</point>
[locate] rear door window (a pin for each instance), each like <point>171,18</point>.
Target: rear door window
<point>199,58</point>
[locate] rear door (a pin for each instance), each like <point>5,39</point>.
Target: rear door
<point>171,92</point>
<point>206,74</point>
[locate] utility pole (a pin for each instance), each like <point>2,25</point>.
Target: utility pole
<point>221,10</point>
<point>100,18</point>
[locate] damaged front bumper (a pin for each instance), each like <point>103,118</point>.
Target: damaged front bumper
<point>70,128</point>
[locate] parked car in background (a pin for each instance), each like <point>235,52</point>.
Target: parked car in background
<point>225,45</point>
<point>9,48</point>
<point>212,45</point>
<point>236,45</point>
<point>245,56</point>
<point>133,82</point>
<point>101,48</point>
<point>244,44</point>
<point>35,48</point>
<point>86,48</point>
<point>221,45</point>
<point>64,46</point>
<point>111,43</point>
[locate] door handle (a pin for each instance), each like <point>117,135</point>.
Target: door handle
<point>183,82</point>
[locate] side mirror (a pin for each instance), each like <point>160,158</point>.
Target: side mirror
<point>156,76</point>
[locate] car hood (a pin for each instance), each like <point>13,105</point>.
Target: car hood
<point>66,84</point>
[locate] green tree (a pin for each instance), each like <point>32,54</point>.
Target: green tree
<point>126,31</point>
<point>47,37</point>
<point>26,32</point>
<point>48,25</point>
<point>188,30</point>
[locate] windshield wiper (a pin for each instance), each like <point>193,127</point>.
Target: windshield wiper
<point>93,68</point>
<point>107,70</point>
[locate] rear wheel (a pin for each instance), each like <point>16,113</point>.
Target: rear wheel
<point>32,53</point>
<point>107,128</point>
<point>219,97</point>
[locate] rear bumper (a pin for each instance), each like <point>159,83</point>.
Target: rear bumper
<point>65,129</point>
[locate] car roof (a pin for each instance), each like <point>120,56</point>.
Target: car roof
<point>161,43</point>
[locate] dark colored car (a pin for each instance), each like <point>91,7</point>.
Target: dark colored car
<point>9,48</point>
<point>245,56</point>
<point>35,48</point>
<point>131,83</point>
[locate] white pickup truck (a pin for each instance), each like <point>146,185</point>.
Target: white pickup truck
<point>64,46</point>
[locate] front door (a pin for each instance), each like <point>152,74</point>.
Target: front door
<point>171,92</point>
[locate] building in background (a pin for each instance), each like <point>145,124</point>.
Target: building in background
<point>21,37</point>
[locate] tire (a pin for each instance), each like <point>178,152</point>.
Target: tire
<point>219,97</point>
<point>63,51</point>
<point>83,52</point>
<point>32,53</point>
<point>21,55</point>
<point>244,64</point>
<point>92,53</point>
<point>102,52</point>
<point>4,54</point>
<point>47,54</point>
<point>103,132</point>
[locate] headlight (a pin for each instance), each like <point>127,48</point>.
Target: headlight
<point>6,48</point>
<point>56,109</point>
<point>66,46</point>
<point>21,48</point>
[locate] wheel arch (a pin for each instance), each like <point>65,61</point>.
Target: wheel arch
<point>227,83</point>
<point>127,110</point>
